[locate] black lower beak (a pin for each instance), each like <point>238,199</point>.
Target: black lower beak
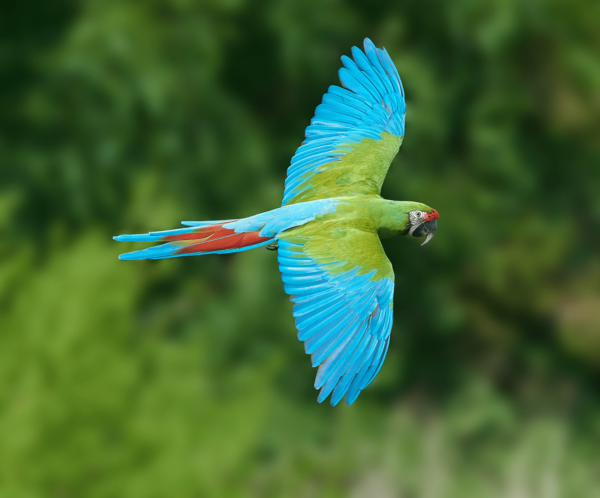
<point>426,229</point>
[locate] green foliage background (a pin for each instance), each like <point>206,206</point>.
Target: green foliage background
<point>184,378</point>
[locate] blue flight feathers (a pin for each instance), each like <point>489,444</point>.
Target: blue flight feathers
<point>349,315</point>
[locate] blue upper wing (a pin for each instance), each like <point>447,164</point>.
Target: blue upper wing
<point>355,133</point>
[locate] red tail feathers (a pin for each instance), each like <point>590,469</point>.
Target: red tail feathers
<point>214,238</point>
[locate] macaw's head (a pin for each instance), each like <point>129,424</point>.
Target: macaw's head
<point>423,224</point>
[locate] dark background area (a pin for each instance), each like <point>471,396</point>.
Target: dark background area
<point>184,377</point>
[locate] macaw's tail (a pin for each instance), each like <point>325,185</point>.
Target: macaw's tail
<point>203,237</point>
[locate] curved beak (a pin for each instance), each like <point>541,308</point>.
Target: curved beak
<point>426,229</point>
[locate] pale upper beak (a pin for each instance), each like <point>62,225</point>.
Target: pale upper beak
<point>426,229</point>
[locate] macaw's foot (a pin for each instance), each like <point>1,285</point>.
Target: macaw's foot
<point>273,247</point>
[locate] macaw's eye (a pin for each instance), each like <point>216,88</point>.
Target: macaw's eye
<point>419,214</point>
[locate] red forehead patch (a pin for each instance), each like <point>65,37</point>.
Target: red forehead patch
<point>432,215</point>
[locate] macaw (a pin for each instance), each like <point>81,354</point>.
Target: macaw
<point>327,231</point>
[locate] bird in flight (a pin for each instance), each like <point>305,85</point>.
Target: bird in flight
<point>327,231</point>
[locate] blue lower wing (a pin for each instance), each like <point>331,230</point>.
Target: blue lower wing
<point>343,318</point>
